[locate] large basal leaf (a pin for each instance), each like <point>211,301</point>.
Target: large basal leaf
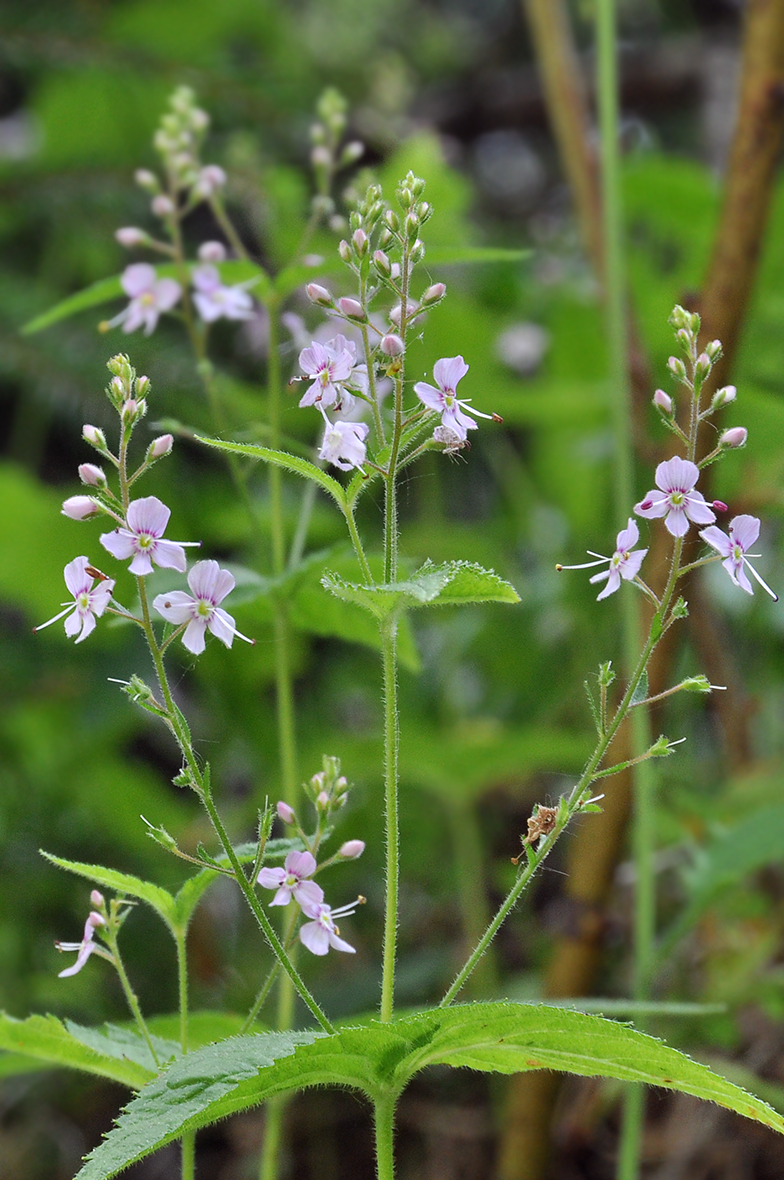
<point>47,1040</point>
<point>380,1059</point>
<point>291,463</point>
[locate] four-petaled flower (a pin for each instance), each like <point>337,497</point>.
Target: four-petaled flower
<point>149,297</point>
<point>321,933</point>
<point>200,610</point>
<point>85,947</point>
<point>141,539</point>
<point>329,366</point>
<point>676,499</point>
<point>448,372</point>
<point>344,440</point>
<point>290,881</point>
<point>214,300</point>
<point>625,562</point>
<point>88,604</point>
<point>744,531</point>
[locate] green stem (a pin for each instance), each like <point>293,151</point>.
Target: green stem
<point>384,1120</point>
<point>129,993</point>
<point>356,541</point>
<point>391,743</point>
<point>182,980</point>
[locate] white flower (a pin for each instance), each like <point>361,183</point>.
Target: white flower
<point>149,297</point>
<point>625,562</point>
<point>322,933</point>
<point>215,301</point>
<point>744,531</point>
<point>344,441</point>
<point>201,610</point>
<point>88,603</point>
<point>142,538</point>
<point>676,499</point>
<point>85,947</point>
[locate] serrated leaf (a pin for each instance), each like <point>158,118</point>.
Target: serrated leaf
<point>160,899</point>
<point>468,582</point>
<point>46,1039</point>
<point>111,1040</point>
<point>292,463</point>
<point>641,691</point>
<point>376,1059</point>
<point>233,271</point>
<point>449,584</point>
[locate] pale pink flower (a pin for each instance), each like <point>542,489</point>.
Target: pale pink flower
<point>322,933</point>
<point>329,367</point>
<point>80,507</point>
<point>744,531</point>
<point>142,539</point>
<point>344,441</point>
<point>285,812</point>
<point>215,301</point>
<point>201,610</point>
<point>291,881</point>
<point>88,603</point>
<point>351,849</point>
<point>625,562</point>
<point>676,499</point>
<point>149,297</point>
<point>448,372</point>
<point>85,947</point>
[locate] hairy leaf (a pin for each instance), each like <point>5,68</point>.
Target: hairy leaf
<point>46,1039</point>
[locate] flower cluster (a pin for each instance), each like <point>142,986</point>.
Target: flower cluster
<point>138,537</point>
<point>675,499</point>
<point>328,791</point>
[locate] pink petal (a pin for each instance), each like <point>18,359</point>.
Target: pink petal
<point>697,510</point>
<point>745,530</point>
<point>449,370</point>
<point>208,309</point>
<point>148,515</point>
<point>88,626</point>
<point>339,944</point>
<point>271,878</point>
<point>630,568</point>
<point>206,279</point>
<point>176,607</point>
<point>315,938</point>
<point>138,279</point>
<point>676,475</point>
<point>193,636</point>
<point>308,895</point>
<point>613,582</point>
<point>76,577</point>
<point>203,578</point>
<point>221,624</point>
<point>676,522</point>
<point>121,544</point>
<point>167,293</point>
<point>141,565</point>
<point>628,537</point>
<point>283,896</point>
<point>300,864</point>
<point>169,556</point>
<point>719,540</point>
<point>658,506</point>
<point>738,575</point>
<point>73,623</point>
<point>433,398</point>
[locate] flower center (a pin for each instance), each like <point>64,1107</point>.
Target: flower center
<point>677,498</point>
<point>147,299</point>
<point>204,608</point>
<point>144,540</point>
<point>737,553</point>
<point>83,600</point>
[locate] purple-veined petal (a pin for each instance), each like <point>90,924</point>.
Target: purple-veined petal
<point>204,578</point>
<point>719,540</point>
<point>300,864</point>
<point>676,475</point>
<point>308,895</point>
<point>630,568</point>
<point>653,505</point>
<point>76,577</point>
<point>676,522</point>
<point>432,398</point>
<point>697,510</point>
<point>148,515</point>
<point>745,530</point>
<point>449,371</point>
<point>339,944</point>
<point>169,555</point>
<point>221,624</point>
<point>628,537</point>
<point>271,878</point>
<point>175,607</point>
<point>141,564</point>
<point>283,896</point>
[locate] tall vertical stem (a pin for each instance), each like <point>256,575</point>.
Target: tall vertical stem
<point>384,1118</point>
<point>391,734</point>
<point>615,319</point>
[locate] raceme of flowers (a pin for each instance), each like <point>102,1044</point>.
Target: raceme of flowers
<point>151,296</point>
<point>293,881</point>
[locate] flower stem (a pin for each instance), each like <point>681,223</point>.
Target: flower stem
<point>130,994</point>
<point>391,744</point>
<point>384,1120</point>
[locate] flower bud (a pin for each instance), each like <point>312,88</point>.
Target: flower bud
<point>92,476</point>
<point>424,210</point>
<point>321,157</point>
<point>662,401</point>
<point>723,396</point>
<point>159,447</point>
<point>684,339</point>
<point>94,436</point>
<point>146,180</point>
<point>319,295</point>
<point>361,242</point>
<point>392,345</point>
<point>417,252</point>
<point>412,226</point>
<point>352,152</point>
<point>129,236</point>
<point>351,849</point>
<point>382,262</point>
<point>713,349</point>
<point>97,899</point>
<point>212,252</point>
<point>702,367</point>
<point>79,507</point>
<point>352,308</point>
<point>344,250</point>
<point>210,179</point>
<point>734,437</point>
<point>392,220</point>
<point>285,813</point>
<point>162,206</point>
<point>143,387</point>
<point>322,801</point>
<point>677,368</point>
<point>95,919</point>
<point>434,294</point>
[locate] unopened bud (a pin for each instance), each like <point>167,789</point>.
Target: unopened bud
<point>702,367</point>
<point>434,294</point>
<point>352,308</point>
<point>146,180</point>
<point>212,252</point>
<point>97,899</point>
<point>143,385</point>
<point>322,800</point>
<point>417,252</point>
<point>211,178</point>
<point>285,812</point>
<point>319,295</point>
<point>723,396</point>
<point>162,206</point>
<point>412,226</point>
<point>684,339</point>
<point>392,345</point>
<point>352,152</point>
<point>95,437</point>
<point>392,220</point>
<point>320,157</point>
<point>352,849</point>
<point>713,349</point>
<point>130,235</point>
<point>736,436</point>
<point>424,210</point>
<point>663,401</point>
<point>344,250</point>
<point>79,507</point>
<point>92,476</point>
<point>159,447</point>
<point>95,919</point>
<point>361,242</point>
<point>677,367</point>
<point>383,265</point>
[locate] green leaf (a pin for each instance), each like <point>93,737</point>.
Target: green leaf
<point>47,1040</point>
<point>468,582</point>
<point>641,691</point>
<point>376,1059</point>
<point>234,271</point>
<point>161,901</point>
<point>282,459</point>
<point>450,584</point>
<point>125,1044</point>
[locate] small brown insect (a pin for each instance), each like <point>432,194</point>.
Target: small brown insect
<point>95,573</point>
<point>541,823</point>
